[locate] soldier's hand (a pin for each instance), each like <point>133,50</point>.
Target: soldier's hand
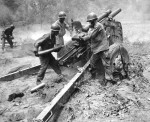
<point>35,52</point>
<point>81,38</point>
<point>57,50</point>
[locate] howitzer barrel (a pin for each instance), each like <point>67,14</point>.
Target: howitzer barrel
<point>115,13</point>
<point>106,14</point>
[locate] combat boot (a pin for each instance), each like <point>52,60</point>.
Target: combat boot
<point>61,78</point>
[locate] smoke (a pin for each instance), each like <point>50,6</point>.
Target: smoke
<point>132,10</point>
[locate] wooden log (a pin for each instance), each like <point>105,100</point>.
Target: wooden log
<point>61,98</point>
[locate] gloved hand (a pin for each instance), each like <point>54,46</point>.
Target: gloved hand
<point>57,50</point>
<point>81,38</point>
<point>36,52</point>
<point>76,44</point>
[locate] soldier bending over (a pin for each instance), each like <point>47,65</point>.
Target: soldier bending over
<point>46,42</point>
<point>7,35</point>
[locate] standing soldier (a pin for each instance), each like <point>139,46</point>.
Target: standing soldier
<point>7,35</point>
<point>46,42</point>
<point>63,25</point>
<point>99,44</point>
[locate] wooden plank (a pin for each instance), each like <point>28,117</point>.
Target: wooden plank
<point>20,73</point>
<point>61,98</point>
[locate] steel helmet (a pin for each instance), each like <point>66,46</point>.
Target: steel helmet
<point>92,16</point>
<point>62,14</point>
<point>12,26</point>
<point>55,27</point>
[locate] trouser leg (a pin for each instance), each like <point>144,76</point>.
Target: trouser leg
<point>98,67</point>
<point>54,64</point>
<point>10,42</point>
<point>93,62</point>
<point>44,60</point>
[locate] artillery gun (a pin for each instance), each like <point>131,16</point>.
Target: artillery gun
<point>77,52</point>
<point>117,55</point>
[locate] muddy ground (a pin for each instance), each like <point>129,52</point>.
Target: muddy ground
<point>127,101</point>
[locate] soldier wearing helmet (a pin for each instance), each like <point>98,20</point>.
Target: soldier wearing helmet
<point>63,26</point>
<point>99,44</point>
<point>7,34</point>
<point>47,41</point>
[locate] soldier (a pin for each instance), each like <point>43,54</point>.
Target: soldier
<point>46,42</point>
<point>99,44</point>
<point>63,25</point>
<point>7,35</point>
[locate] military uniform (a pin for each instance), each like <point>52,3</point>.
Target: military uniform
<point>62,31</point>
<point>7,35</point>
<point>46,42</point>
<point>99,45</point>
<point>59,38</point>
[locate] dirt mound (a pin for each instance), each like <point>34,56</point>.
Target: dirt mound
<point>28,106</point>
<point>126,101</point>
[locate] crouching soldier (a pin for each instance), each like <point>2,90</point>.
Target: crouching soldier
<point>46,42</point>
<point>7,34</point>
<point>99,44</point>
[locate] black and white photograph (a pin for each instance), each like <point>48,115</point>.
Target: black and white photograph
<point>74,61</point>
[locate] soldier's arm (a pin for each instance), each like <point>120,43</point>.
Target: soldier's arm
<point>96,31</point>
<point>93,34</point>
<point>40,41</point>
<point>11,33</point>
<point>67,26</point>
<point>86,28</point>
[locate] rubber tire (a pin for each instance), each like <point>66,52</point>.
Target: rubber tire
<point>119,49</point>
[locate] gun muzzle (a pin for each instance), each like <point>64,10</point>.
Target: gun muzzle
<point>112,15</point>
<point>106,14</point>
